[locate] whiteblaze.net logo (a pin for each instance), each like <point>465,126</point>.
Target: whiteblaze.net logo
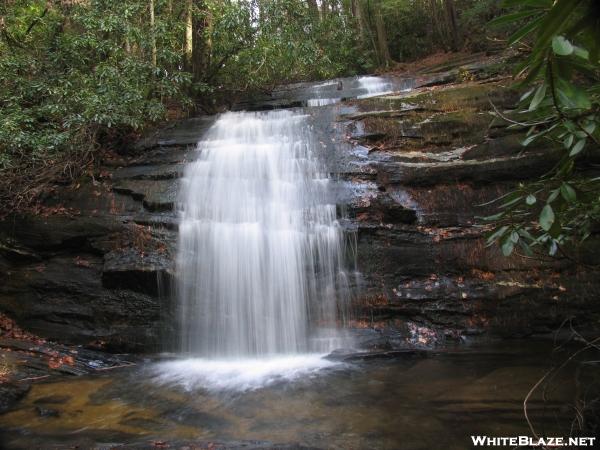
<point>504,441</point>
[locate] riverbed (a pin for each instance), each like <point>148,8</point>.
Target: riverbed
<point>421,400</point>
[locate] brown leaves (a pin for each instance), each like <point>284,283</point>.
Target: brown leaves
<point>79,261</point>
<point>46,211</point>
<point>10,330</point>
<point>483,275</point>
<point>97,345</point>
<point>57,361</point>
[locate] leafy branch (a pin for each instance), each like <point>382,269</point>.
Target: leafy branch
<point>562,109</point>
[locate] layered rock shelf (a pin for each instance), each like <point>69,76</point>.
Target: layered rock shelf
<point>95,262</point>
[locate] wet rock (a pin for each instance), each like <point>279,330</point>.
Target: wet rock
<point>150,273</point>
<point>100,270</point>
<point>11,393</point>
<point>64,299</point>
<point>57,399</point>
<point>149,172</point>
<point>381,208</point>
<point>486,171</point>
<point>93,264</point>
<point>430,278</point>
<point>14,251</point>
<point>46,412</point>
<point>56,231</point>
<point>184,132</point>
<point>156,195</point>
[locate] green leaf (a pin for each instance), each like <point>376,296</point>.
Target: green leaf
<point>514,237</point>
<point>554,22</point>
<point>553,195</point>
<point>524,31</point>
<point>581,52</point>
<point>553,248</point>
<point>530,200</point>
<point>568,193</point>
<point>568,142</point>
<point>540,94</point>
<point>572,96</point>
<point>526,95</point>
<point>526,234</point>
<point>590,127</point>
<point>509,18</point>
<point>578,147</point>
<point>511,202</point>
<point>562,46</point>
<point>547,218</point>
<point>529,3</point>
<point>507,247</point>
<point>525,247</point>
<point>494,217</point>
<point>497,234</point>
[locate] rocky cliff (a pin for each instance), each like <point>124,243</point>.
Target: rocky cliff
<point>434,159</point>
<point>94,264</point>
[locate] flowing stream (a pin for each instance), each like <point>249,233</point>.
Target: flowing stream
<point>261,255</point>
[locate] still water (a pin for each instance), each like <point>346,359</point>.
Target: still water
<point>431,401</point>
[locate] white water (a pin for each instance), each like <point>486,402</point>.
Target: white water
<point>322,101</point>
<point>260,260</point>
<point>374,86</point>
<point>242,374</point>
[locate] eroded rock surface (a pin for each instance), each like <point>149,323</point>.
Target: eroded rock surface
<point>431,161</point>
<point>94,265</point>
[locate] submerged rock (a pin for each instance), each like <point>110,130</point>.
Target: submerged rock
<point>10,394</point>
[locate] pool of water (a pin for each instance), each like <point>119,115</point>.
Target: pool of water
<point>412,402</point>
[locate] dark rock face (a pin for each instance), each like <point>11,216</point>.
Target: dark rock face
<point>10,394</point>
<point>410,170</point>
<point>96,266</point>
<point>429,159</point>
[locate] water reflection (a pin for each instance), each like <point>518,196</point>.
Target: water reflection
<point>407,403</point>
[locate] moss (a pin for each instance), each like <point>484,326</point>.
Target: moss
<point>436,120</point>
<point>475,96</point>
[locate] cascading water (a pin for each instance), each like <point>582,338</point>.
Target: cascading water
<point>260,262</point>
<point>374,86</point>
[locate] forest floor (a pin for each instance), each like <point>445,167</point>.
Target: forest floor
<point>443,61</point>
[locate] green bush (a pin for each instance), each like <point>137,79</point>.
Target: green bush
<point>561,107</point>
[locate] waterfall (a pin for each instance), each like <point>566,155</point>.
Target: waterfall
<point>260,260</point>
<point>374,86</point>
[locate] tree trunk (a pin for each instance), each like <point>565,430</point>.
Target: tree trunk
<point>202,43</point>
<point>383,51</point>
<point>189,34</point>
<point>324,8</point>
<point>452,21</point>
<point>437,24</point>
<point>153,33</point>
<point>358,18</point>
<point>313,9</point>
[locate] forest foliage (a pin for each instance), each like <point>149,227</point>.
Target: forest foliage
<point>77,75</point>
<point>560,111</point>
<point>79,72</point>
